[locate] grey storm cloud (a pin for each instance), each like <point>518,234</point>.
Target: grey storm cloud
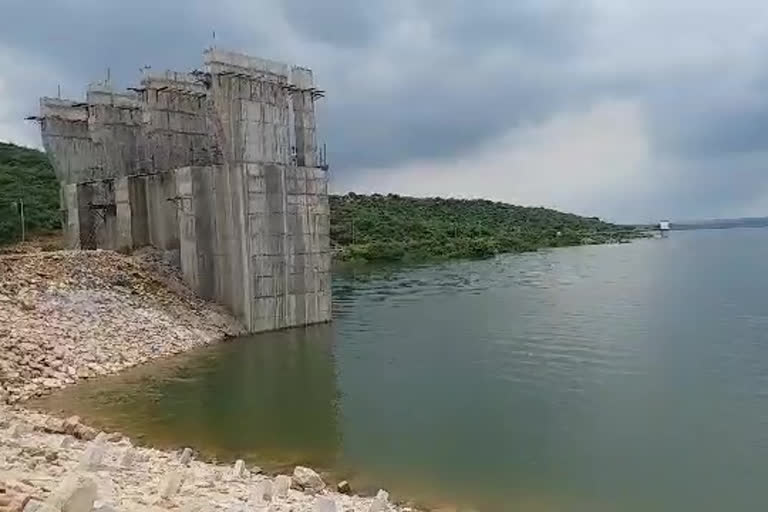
<point>495,96</point>
<point>342,23</point>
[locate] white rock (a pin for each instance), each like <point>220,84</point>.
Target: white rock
<point>75,494</point>
<point>71,423</point>
<point>197,507</point>
<point>101,437</point>
<point>239,470</point>
<point>85,432</point>
<point>171,485</point>
<point>261,493</point>
<point>127,458</point>
<point>17,430</point>
<point>380,502</point>
<point>54,425</point>
<point>105,508</point>
<point>307,479</point>
<point>323,504</point>
<point>186,456</point>
<point>39,506</point>
<point>280,486</point>
<point>92,457</point>
<point>60,443</point>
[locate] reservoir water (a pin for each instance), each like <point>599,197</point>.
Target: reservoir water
<point>603,378</point>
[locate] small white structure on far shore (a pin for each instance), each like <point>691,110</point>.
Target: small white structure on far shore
<point>664,228</point>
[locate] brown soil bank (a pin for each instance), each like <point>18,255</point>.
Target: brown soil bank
<point>68,315</point>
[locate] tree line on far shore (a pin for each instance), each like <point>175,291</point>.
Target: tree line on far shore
<point>396,228</point>
<point>363,227</point>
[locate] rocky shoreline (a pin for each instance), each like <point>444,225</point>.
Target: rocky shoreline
<point>49,465</point>
<point>72,315</point>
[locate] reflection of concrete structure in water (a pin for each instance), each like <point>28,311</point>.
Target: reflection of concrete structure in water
<point>219,166</point>
<point>287,391</point>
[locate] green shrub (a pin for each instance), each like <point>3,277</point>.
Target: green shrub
<point>27,175</point>
<point>392,227</point>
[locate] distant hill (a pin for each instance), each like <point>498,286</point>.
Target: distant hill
<point>363,228</point>
<point>27,174</point>
<point>744,222</point>
<point>392,227</point>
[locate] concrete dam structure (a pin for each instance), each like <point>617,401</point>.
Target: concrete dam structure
<point>219,167</point>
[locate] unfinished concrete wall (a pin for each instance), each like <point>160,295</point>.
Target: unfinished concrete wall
<point>290,259</point>
<point>196,228</point>
<point>219,165</point>
<point>67,140</point>
<point>114,125</point>
<point>162,210</point>
<point>137,197</point>
<point>267,112</point>
<point>303,113</point>
<point>278,236</point>
<point>68,196</point>
<point>112,135</point>
<point>175,126</point>
<point>213,242</point>
<point>123,214</point>
<point>250,102</point>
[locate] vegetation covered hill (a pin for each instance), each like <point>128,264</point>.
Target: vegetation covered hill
<point>397,228</point>
<point>365,228</point>
<point>26,175</point>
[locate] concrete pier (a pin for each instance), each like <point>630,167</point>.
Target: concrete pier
<point>219,167</point>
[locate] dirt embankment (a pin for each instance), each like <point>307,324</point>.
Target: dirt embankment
<point>68,315</point>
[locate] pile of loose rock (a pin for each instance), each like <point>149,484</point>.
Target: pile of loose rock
<point>70,315</point>
<point>53,465</point>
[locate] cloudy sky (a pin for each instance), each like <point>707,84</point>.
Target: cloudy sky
<point>632,110</point>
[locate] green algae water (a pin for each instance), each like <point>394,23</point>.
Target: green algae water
<point>606,378</point>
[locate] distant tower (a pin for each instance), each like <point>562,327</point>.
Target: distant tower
<point>664,228</point>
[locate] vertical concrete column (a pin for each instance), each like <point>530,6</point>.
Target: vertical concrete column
<point>187,230</point>
<point>139,216</point>
<point>203,205</point>
<point>70,205</point>
<point>86,228</point>
<point>303,118</point>
<point>124,238</point>
<point>162,211</point>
